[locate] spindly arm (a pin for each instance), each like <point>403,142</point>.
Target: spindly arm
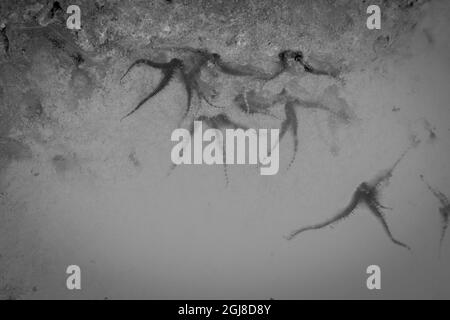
<point>379,215</point>
<point>156,65</point>
<point>338,217</point>
<point>167,76</point>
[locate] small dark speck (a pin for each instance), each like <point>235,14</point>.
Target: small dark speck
<point>431,130</point>
<point>432,135</point>
<point>133,159</point>
<point>78,59</point>
<point>34,289</point>
<point>395,109</point>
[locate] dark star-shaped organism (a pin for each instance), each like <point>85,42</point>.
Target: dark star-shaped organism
<point>190,72</point>
<point>290,122</point>
<point>220,121</point>
<point>367,193</point>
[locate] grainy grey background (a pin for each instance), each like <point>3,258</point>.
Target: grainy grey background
<point>77,186</point>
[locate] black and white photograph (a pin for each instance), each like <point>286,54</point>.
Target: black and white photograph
<point>224,150</point>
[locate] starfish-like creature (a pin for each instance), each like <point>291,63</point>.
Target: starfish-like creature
<point>366,193</point>
<point>199,59</point>
<point>219,122</point>
<point>189,74</point>
<point>290,122</point>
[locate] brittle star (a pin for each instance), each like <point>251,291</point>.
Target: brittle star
<point>366,193</point>
<point>248,70</point>
<point>444,210</point>
<point>262,107</point>
<point>219,122</point>
<point>190,81</point>
<point>190,75</point>
<point>290,123</point>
